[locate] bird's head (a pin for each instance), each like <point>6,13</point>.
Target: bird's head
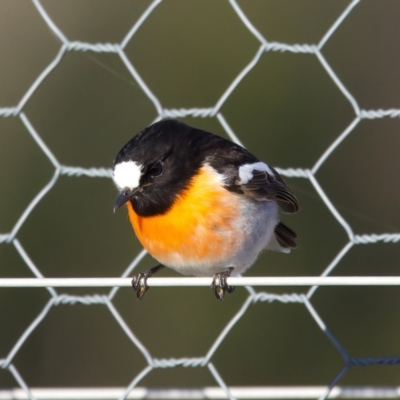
<point>154,167</point>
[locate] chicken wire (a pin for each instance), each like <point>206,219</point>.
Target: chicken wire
<point>222,390</point>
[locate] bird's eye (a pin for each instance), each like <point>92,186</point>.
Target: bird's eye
<point>156,169</point>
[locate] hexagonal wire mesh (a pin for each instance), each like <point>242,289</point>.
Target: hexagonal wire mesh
<point>128,73</point>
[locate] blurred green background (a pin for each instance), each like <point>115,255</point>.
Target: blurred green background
<point>287,111</point>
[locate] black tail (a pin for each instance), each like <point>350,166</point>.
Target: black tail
<point>285,236</point>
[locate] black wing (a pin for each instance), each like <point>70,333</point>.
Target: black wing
<point>265,186</point>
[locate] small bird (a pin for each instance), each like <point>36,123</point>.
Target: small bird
<point>200,204</point>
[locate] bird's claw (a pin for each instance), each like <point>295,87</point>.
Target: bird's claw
<point>139,281</point>
<point>139,284</point>
<point>219,284</point>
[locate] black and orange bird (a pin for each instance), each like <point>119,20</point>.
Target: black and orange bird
<point>200,204</point>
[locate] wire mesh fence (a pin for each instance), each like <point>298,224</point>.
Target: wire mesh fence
<point>130,73</point>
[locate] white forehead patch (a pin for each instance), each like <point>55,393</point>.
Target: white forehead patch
<point>127,175</point>
<point>246,171</point>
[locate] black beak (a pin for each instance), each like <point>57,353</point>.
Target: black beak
<point>124,197</point>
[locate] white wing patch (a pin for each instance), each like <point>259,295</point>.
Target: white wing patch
<point>246,171</point>
<point>127,175</point>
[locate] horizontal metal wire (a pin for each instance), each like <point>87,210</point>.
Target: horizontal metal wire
<point>272,392</point>
<point>196,281</point>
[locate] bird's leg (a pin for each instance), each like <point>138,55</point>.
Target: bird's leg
<point>219,284</point>
<point>139,281</point>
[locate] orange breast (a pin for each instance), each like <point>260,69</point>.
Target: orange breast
<point>200,227</point>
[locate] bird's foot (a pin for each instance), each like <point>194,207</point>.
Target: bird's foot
<point>139,281</point>
<point>139,284</point>
<point>219,284</point>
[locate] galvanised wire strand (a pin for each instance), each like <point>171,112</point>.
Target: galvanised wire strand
<point>200,281</point>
